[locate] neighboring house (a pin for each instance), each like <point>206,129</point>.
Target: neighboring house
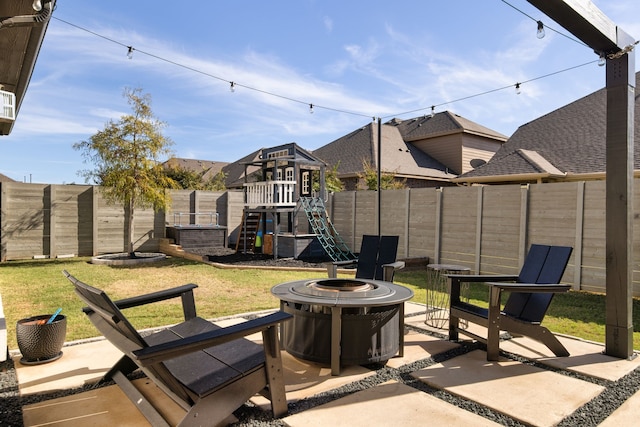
<point>426,151</point>
<point>568,144</point>
<point>235,171</point>
<point>206,168</point>
<point>22,31</point>
<point>4,178</point>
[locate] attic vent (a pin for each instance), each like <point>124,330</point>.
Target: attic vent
<point>8,111</point>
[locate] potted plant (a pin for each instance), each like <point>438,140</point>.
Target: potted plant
<point>40,338</point>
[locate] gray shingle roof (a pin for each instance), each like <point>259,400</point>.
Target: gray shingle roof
<point>399,157</point>
<point>4,178</point>
<point>442,123</point>
<point>571,138</point>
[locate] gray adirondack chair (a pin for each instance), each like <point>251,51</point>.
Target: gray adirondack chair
<point>208,370</point>
<point>530,294</point>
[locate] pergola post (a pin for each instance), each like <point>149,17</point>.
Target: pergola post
<point>585,21</point>
<point>619,205</point>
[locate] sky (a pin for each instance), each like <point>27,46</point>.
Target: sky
<point>352,60</point>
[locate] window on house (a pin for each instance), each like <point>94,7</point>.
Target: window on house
<point>289,174</point>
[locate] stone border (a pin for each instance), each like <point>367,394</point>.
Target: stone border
<point>123,258</point>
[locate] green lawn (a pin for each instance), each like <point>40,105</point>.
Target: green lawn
<point>38,287</point>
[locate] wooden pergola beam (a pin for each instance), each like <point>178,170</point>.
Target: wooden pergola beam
<point>585,21</point>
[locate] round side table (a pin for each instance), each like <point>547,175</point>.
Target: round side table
<point>438,292</point>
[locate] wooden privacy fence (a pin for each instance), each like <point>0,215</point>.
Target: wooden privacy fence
<point>490,228</point>
<point>485,228</point>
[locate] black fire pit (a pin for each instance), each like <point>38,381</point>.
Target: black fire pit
<point>343,321</point>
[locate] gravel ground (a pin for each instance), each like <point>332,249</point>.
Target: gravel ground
<point>590,415</point>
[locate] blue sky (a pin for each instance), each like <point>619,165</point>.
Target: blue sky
<point>352,60</point>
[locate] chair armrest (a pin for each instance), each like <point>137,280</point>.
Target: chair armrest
<point>482,277</point>
<point>332,267</point>
<point>152,297</point>
<point>169,350</point>
<point>395,265</point>
<point>389,269</point>
<point>184,291</point>
<point>530,287</point>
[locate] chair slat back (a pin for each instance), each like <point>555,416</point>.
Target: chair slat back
<point>112,319</point>
<point>532,307</point>
<point>374,253</point>
<point>368,257</point>
<point>387,253</point>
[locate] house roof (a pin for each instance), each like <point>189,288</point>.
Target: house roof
<point>235,171</point>
<point>568,141</point>
<point>399,157</point>
<point>443,123</point>
<point>4,178</point>
<point>22,32</point>
<point>207,168</point>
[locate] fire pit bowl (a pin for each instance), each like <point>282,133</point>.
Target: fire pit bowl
<point>343,321</point>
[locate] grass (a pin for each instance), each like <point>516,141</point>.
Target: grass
<point>30,288</point>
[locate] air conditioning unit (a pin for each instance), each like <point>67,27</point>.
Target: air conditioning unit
<point>8,106</point>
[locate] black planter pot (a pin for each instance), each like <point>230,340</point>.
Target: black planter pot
<point>40,342</point>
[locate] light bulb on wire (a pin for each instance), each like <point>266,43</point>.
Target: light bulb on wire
<point>232,86</point>
<point>130,52</point>
<point>433,110</point>
<point>518,91</point>
<point>310,108</point>
<point>540,33</point>
<point>602,60</point>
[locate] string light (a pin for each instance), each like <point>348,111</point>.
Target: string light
<point>543,26</point>
<point>602,60</point>
<point>540,33</point>
<point>433,110</point>
<point>518,91</point>
<point>233,85</point>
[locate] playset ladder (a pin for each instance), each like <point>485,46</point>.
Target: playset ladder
<point>324,230</point>
<point>248,231</point>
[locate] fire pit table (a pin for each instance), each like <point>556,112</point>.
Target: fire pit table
<point>343,321</point>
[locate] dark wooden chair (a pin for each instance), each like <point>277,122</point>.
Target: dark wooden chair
<point>376,260</point>
<point>525,308</point>
<point>208,370</point>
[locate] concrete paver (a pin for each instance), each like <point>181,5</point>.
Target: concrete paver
<point>585,357</point>
<point>388,404</point>
<point>532,395</point>
<point>79,365</point>
<point>627,414</point>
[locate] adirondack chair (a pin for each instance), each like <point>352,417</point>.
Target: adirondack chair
<point>208,370</point>
<point>376,260</point>
<point>528,301</point>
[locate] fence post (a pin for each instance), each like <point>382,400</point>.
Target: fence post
<point>577,251</point>
<point>438,231</point>
<point>94,214</point>
<point>407,201</point>
<point>479,209</point>
<point>50,196</point>
<point>524,222</point>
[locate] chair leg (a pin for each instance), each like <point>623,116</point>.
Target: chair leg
<point>275,373</point>
<point>493,327</point>
<point>536,332</point>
